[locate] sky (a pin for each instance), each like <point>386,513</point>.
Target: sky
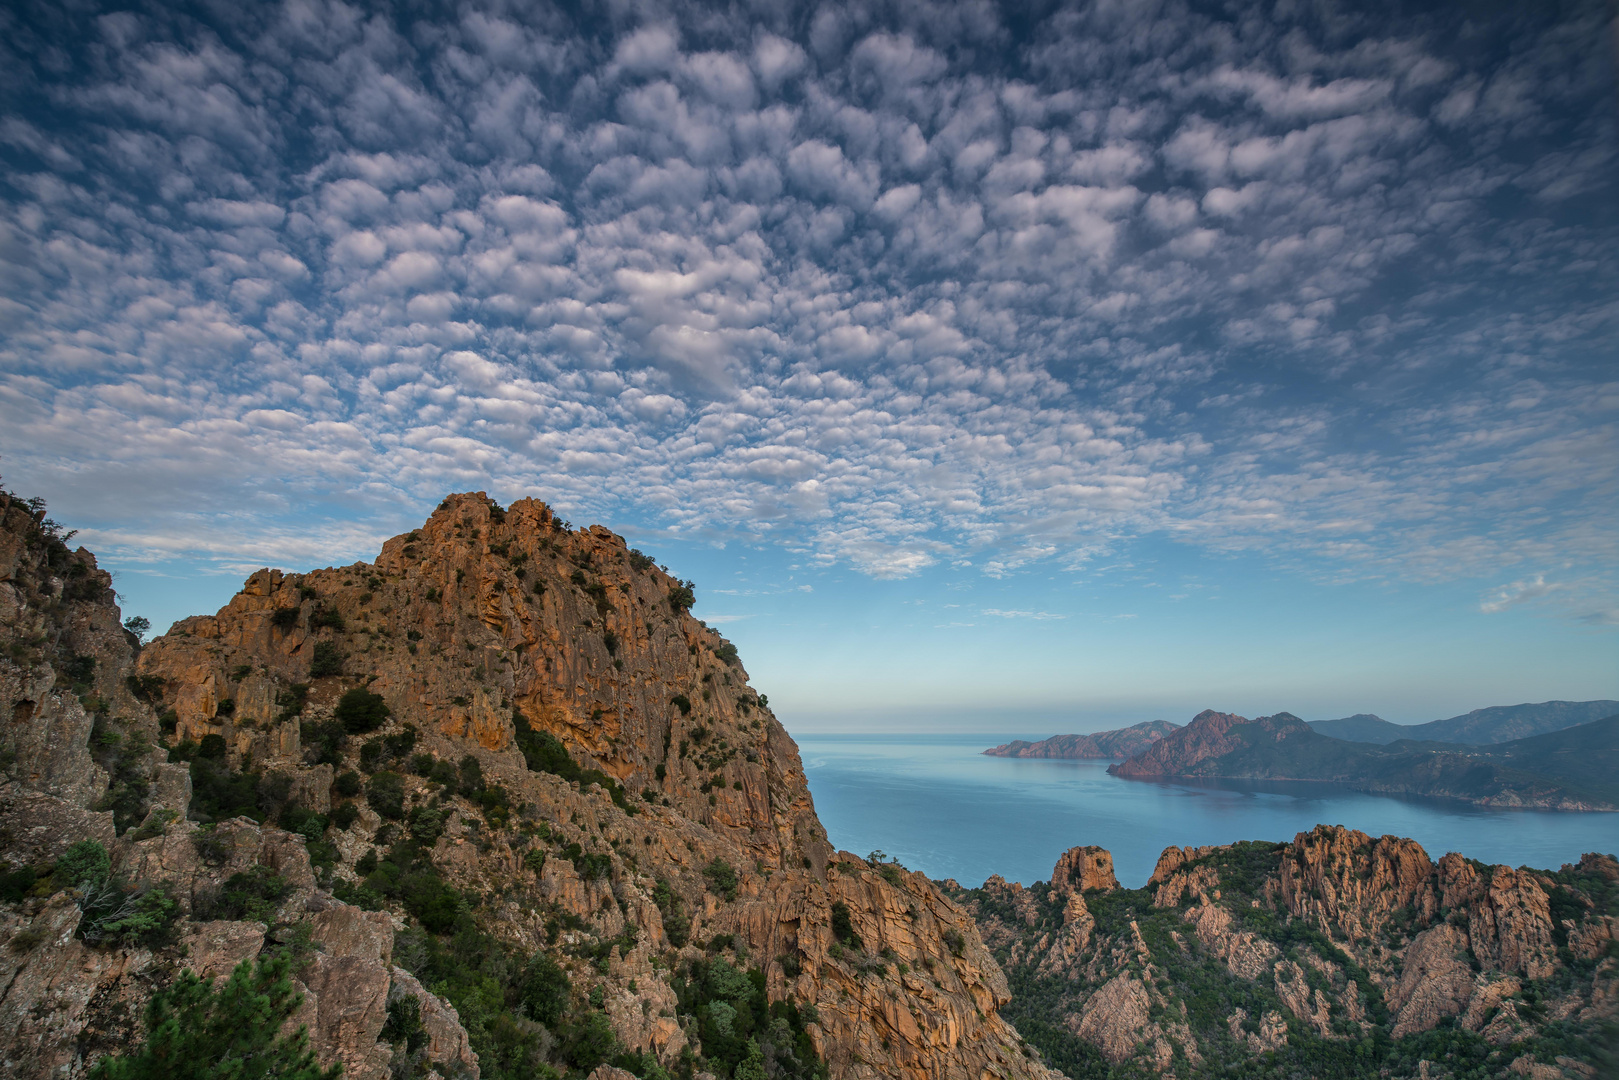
<point>1024,367</point>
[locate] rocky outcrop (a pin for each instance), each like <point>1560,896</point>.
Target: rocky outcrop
<point>1084,869</point>
<point>1295,949</point>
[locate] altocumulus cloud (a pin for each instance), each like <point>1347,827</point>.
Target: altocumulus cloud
<point>891,284</point>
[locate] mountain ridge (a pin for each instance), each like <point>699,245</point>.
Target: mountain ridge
<point>1481,727</point>
<point>1571,769</point>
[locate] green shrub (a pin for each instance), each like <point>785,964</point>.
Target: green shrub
<point>386,793</point>
<point>426,825</point>
<point>194,1031</point>
<point>348,784</point>
<point>113,913</point>
<point>546,991</point>
<point>721,877</point>
<point>344,815</point>
<point>640,562</point>
<point>327,617</point>
<point>676,924</point>
<point>681,702</point>
<point>404,1024</point>
<point>682,597</point>
<point>360,711</point>
<point>326,660</point>
<point>285,618</point>
<point>843,926</point>
<point>254,895</point>
<point>85,863</point>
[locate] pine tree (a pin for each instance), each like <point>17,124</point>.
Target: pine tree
<point>195,1032</point>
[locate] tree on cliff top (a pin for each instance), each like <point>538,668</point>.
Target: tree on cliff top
<point>195,1032</point>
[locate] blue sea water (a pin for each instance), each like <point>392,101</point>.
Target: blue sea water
<point>941,807</point>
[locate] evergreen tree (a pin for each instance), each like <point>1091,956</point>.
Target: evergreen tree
<point>195,1032</point>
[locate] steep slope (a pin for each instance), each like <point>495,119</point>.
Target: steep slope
<point>1481,727</point>
<point>1120,743</point>
<point>1568,771</point>
<point>512,739</point>
<point>1335,955</point>
<point>83,769</point>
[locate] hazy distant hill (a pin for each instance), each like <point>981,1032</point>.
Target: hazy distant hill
<point>1120,743</point>
<point>1481,727</point>
<point>1573,769</point>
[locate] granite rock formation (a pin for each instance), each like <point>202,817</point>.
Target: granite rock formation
<point>1336,953</point>
<point>502,728</point>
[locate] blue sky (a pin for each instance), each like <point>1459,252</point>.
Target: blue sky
<point>1030,367</point>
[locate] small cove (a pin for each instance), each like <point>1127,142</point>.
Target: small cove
<point>941,807</point>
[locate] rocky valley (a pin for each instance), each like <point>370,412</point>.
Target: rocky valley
<point>499,806</point>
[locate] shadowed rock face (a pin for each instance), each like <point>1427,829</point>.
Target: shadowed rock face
<point>1305,949</point>
<point>478,630</point>
<point>1122,743</point>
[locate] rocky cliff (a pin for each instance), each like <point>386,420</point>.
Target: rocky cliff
<point>1337,954</point>
<point>1122,743</point>
<point>500,771</point>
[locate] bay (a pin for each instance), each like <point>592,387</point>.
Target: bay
<point>941,807</point>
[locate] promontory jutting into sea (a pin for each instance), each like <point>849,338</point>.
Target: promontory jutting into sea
<point>908,540</point>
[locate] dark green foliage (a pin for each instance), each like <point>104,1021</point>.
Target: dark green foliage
<point>676,924</point>
<point>217,793</point>
<point>681,702</point>
<point>727,654</point>
<point>323,742</point>
<point>139,626</point>
<point>326,660</point>
<point>681,597</point>
<point>327,617</point>
<point>306,823</point>
<point>85,863</point>
<point>195,1032</point>
<point>291,700</point>
<point>348,784</point>
<point>360,711</point>
<point>739,1030</point>
<point>114,914</point>
<point>285,618</point>
<point>344,815</point>
<point>546,990</point>
<point>640,562</point>
<point>610,640</point>
<point>843,926</point>
<point>426,825</point>
<point>147,688</point>
<point>404,1024</point>
<point>592,1041</point>
<point>127,759</point>
<point>253,895</point>
<point>422,764</point>
<point>15,885</point>
<point>80,672</point>
<point>385,792</point>
<point>544,752</point>
<point>721,877</point>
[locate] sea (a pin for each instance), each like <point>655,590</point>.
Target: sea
<point>938,805</point>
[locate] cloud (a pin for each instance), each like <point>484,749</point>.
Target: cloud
<point>1036,615</point>
<point>901,288</point>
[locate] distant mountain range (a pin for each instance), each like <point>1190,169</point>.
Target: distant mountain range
<point>1481,727</point>
<point>1123,743</point>
<point>1576,768</point>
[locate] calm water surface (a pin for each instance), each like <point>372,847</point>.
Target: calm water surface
<point>939,806</point>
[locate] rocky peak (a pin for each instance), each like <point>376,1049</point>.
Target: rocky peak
<point>516,729</point>
<point>1083,869</point>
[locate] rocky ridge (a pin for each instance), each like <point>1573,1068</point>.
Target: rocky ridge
<point>503,737</point>
<point>1334,954</point>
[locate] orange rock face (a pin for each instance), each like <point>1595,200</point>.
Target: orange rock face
<point>485,622</point>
